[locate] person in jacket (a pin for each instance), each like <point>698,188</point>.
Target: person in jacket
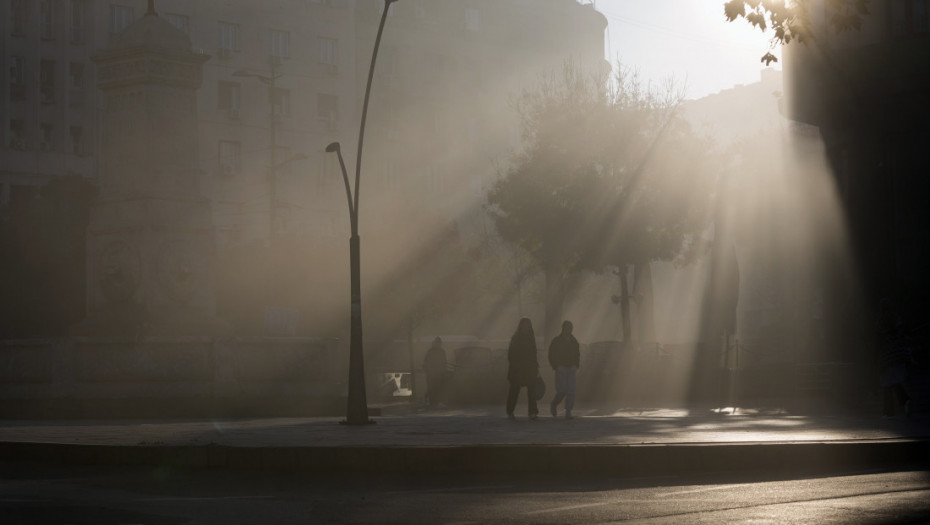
<point>564,358</point>
<point>435,364</point>
<point>523,368</point>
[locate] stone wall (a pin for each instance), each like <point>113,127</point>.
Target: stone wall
<point>187,376</point>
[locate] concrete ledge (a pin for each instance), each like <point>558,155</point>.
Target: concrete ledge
<point>619,460</point>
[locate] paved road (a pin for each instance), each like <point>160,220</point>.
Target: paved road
<point>41,493</point>
<point>408,426</point>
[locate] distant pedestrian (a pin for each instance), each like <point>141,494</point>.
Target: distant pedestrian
<point>435,365</point>
<point>894,359</point>
<point>523,368</point>
<point>564,357</point>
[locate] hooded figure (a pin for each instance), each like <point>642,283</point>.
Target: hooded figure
<point>523,369</point>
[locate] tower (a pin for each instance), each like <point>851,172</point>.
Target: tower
<point>150,237</point>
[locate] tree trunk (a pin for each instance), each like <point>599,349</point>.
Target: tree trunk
<point>413,368</point>
<point>625,306</point>
<point>555,296</point>
<point>642,287</point>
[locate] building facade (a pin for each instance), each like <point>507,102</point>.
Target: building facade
<point>866,90</point>
<point>284,79</point>
<point>286,65</point>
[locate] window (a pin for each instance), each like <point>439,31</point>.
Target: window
<point>17,78</point>
<point>280,43</point>
<point>46,21</point>
<point>47,81</point>
<point>77,140</point>
<point>472,130</point>
<point>327,50</point>
<point>329,171</point>
<point>472,19</point>
<point>229,36</point>
<point>180,22</point>
<point>387,57</point>
<point>17,134</point>
<point>921,20</point>
<point>898,17</point>
<point>227,96</point>
<point>19,12</point>
<point>78,14</point>
<point>229,153</point>
<point>909,17</point>
<point>434,182</point>
<point>76,75</point>
<point>120,18</point>
<point>327,106</point>
<point>17,70</point>
<point>281,101</point>
<point>45,133</point>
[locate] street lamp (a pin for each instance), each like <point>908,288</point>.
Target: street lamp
<point>272,171</point>
<point>357,407</point>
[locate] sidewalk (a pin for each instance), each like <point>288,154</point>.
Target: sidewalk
<point>479,439</point>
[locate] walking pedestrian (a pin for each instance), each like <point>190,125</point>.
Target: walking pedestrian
<point>564,358</point>
<point>435,365</point>
<point>523,368</point>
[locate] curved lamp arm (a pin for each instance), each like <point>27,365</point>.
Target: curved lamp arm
<point>371,73</point>
<point>334,146</point>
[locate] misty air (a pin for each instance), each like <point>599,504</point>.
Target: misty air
<point>464,261</point>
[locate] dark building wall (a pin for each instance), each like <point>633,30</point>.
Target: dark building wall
<point>867,92</point>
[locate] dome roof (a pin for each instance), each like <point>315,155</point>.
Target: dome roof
<point>153,32</point>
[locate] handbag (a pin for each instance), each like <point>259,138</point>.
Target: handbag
<point>540,390</point>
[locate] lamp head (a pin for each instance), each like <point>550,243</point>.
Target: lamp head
<point>333,146</point>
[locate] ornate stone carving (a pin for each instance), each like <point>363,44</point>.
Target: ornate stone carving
<point>180,270</point>
<point>121,269</point>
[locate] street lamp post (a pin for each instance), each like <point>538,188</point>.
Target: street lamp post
<point>272,170</point>
<point>357,407</point>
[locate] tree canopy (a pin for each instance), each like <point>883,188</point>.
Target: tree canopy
<point>795,19</point>
<point>609,176</point>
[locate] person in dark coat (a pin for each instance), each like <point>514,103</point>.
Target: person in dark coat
<point>435,364</point>
<point>523,369</point>
<point>564,358</point>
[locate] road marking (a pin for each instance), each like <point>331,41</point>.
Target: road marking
<point>569,507</point>
<point>451,489</point>
<point>643,478</point>
<point>206,498</point>
<point>705,489</point>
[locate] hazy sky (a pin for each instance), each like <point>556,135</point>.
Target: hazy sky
<point>688,39</point>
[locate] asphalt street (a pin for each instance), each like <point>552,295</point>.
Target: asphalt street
<point>34,493</point>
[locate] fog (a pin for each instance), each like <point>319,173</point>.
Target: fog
<point>676,232</point>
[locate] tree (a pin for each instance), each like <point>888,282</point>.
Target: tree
<point>795,19</point>
<point>589,190</point>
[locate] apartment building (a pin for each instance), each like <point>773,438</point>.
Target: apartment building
<point>48,97</point>
<point>280,74</point>
<point>284,79</point>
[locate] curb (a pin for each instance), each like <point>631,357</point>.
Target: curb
<point>625,460</point>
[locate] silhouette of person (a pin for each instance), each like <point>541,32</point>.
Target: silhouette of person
<point>893,359</point>
<point>523,368</point>
<point>435,366</point>
<point>564,358</point>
